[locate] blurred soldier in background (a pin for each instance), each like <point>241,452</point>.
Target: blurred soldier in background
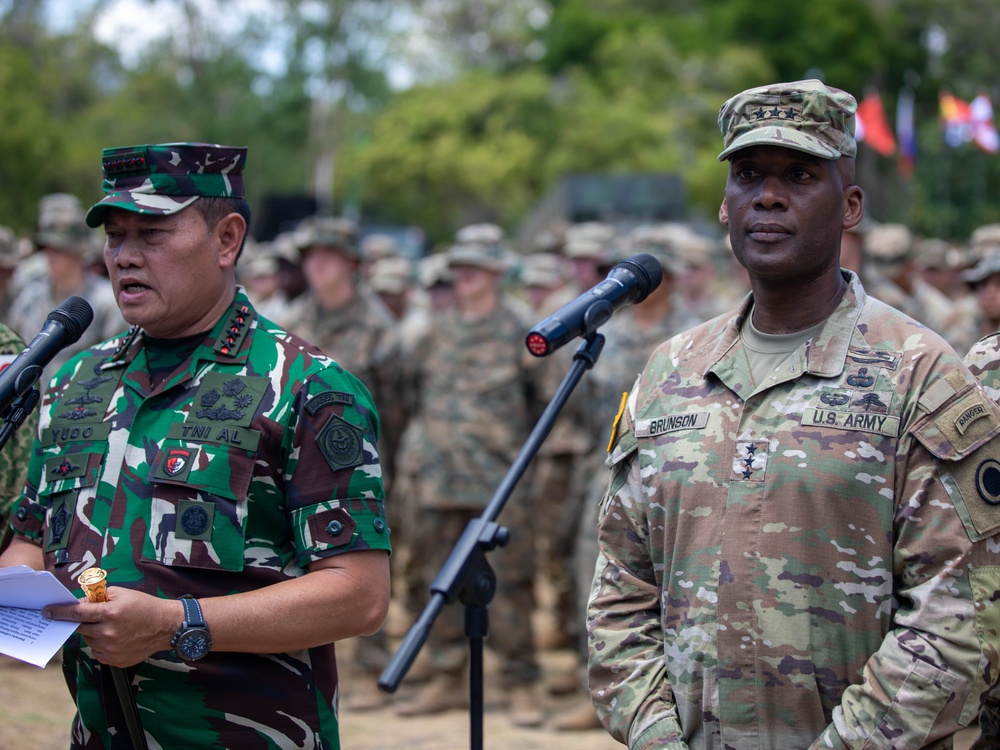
<point>701,291</point>
<point>545,277</point>
<point>341,316</point>
<point>556,489</point>
<point>938,264</point>
<point>474,392</point>
<point>65,239</point>
<point>376,247</point>
<point>631,336</point>
<point>260,273</point>
<point>895,278</point>
<point>353,327</point>
<point>586,245</point>
<point>391,280</point>
<point>984,279</point>
<point>9,257</point>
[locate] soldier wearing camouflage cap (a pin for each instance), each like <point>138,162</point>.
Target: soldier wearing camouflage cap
<point>66,241</point>
<point>798,544</point>
<point>222,471</point>
<point>473,394</point>
<point>9,258</point>
<point>587,245</point>
<point>341,315</point>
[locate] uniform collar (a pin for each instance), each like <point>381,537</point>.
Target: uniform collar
<point>825,353</point>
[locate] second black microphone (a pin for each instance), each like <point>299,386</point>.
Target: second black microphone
<point>628,282</point>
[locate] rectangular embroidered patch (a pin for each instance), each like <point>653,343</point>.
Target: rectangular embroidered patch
<point>879,424</point>
<point>671,423</point>
<point>224,434</point>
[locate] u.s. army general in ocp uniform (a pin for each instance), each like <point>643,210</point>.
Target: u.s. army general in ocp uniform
<point>799,546</point>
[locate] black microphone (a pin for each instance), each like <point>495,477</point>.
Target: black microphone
<point>63,327</point>
<point>628,282</point>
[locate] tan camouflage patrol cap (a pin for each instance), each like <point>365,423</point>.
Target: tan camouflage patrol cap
<point>985,236</point>
<point>434,271</point>
<point>589,239</point>
<point>660,241</point>
<point>807,116</point>
<point>331,232</point>
<point>9,254</point>
<point>481,245</point>
<point>545,270</point>
<point>933,252</point>
<point>989,264</point>
<point>375,247</point>
<point>888,244</point>
<point>61,224</point>
<point>165,178</point>
<point>393,275</point>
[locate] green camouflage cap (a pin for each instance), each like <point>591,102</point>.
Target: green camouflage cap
<point>807,116</point>
<point>167,177</point>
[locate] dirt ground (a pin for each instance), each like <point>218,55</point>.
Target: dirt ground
<point>35,713</point>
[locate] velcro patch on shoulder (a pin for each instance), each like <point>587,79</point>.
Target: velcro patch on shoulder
<point>978,481</point>
<point>341,443</point>
<point>960,427</point>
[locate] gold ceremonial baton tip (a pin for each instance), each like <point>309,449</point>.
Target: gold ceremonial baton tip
<point>94,582</point>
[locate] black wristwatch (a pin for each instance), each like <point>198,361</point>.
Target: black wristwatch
<point>193,640</point>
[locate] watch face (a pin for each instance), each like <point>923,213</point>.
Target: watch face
<point>194,644</point>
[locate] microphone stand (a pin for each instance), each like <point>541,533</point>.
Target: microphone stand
<point>14,417</point>
<point>17,412</point>
<point>466,575</point>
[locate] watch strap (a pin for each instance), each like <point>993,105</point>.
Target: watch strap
<point>193,618</point>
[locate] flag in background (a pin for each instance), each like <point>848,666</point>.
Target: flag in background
<point>984,132</point>
<point>906,132</point>
<point>956,117</point>
<point>871,125</point>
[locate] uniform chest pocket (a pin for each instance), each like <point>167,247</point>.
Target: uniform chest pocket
<point>68,492</point>
<point>199,505</point>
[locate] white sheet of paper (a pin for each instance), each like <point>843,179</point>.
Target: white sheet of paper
<point>24,633</point>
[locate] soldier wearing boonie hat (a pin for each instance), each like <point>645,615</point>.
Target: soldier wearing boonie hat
<point>247,462</point>
<point>748,458</point>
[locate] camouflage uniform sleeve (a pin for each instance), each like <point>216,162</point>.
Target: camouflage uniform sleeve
<point>628,677</point>
<point>934,666</point>
<point>333,476</point>
<point>984,362</point>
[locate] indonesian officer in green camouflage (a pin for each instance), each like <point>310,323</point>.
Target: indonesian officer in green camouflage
<point>799,544</point>
<point>206,454</point>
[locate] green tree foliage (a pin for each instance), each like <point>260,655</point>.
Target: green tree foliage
<point>526,91</point>
<point>30,143</point>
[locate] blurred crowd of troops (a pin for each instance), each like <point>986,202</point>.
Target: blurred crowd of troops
<point>439,341</point>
